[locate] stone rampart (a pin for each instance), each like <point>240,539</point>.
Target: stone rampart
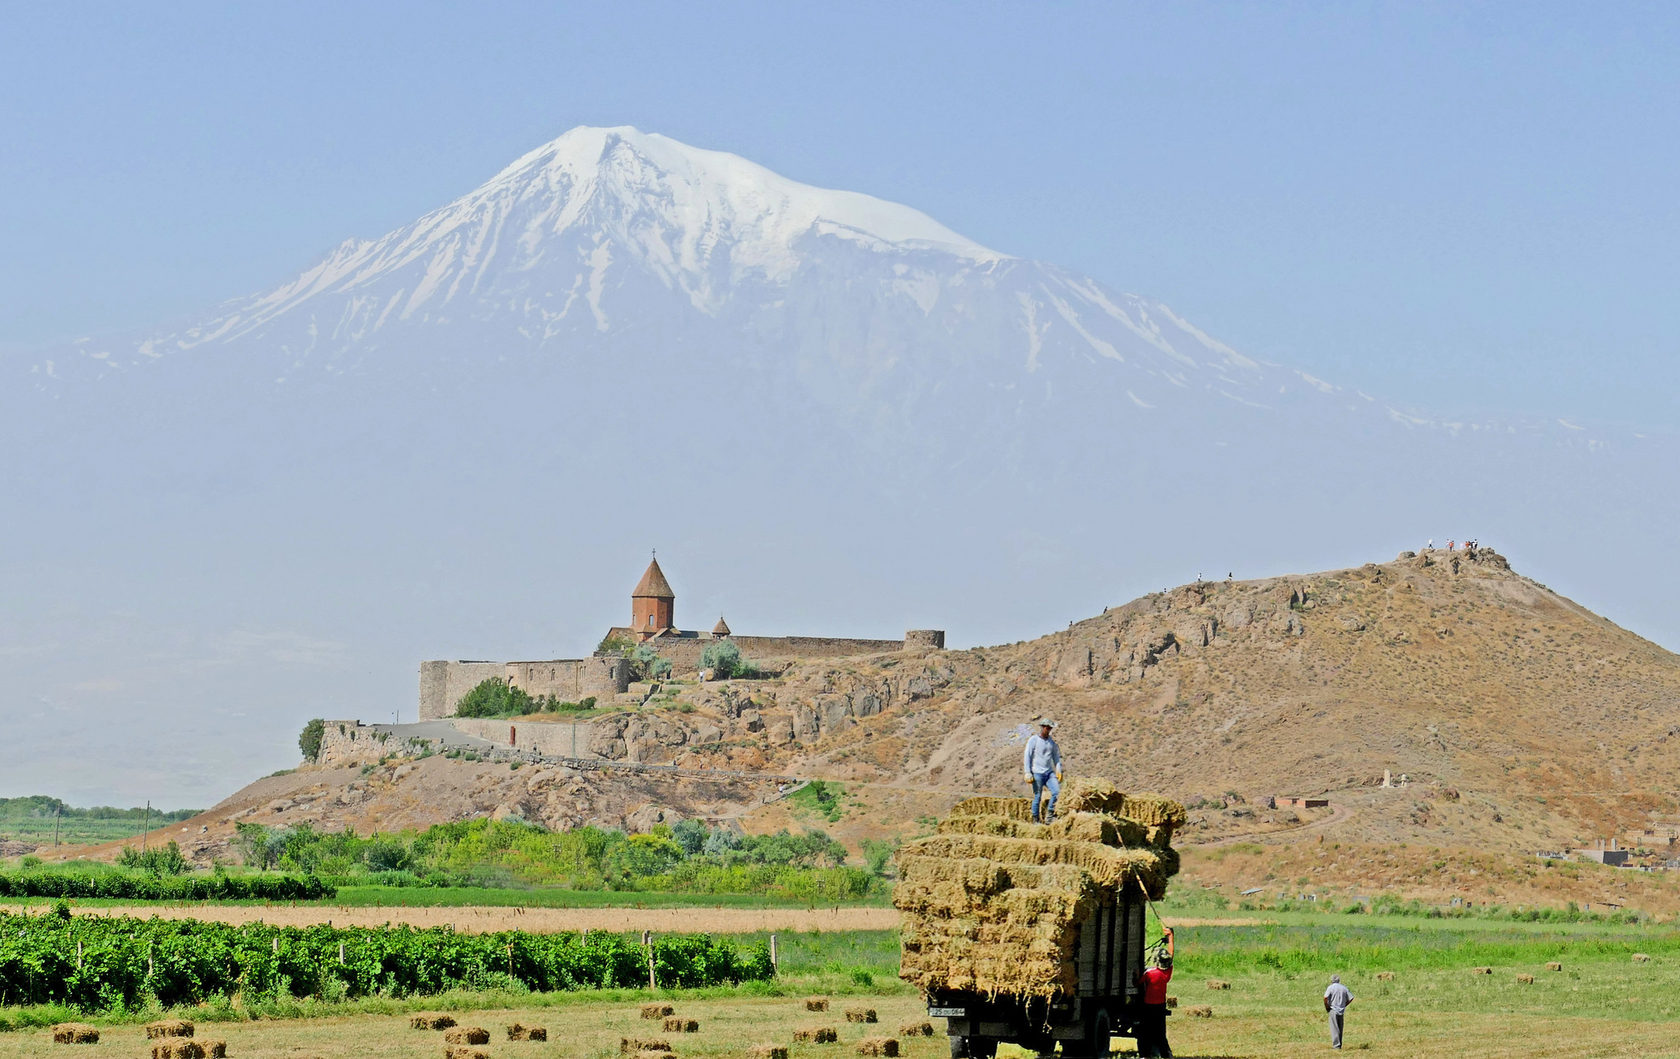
<point>569,679</point>
<point>555,738</point>
<point>354,743</point>
<point>684,651</point>
<point>443,683</point>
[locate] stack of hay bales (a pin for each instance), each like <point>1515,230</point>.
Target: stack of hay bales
<point>993,903</point>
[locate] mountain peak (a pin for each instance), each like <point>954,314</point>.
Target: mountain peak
<point>717,194</point>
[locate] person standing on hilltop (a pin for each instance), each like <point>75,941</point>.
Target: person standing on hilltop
<point>1336,1001</point>
<point>1152,1020</point>
<point>1042,762</point>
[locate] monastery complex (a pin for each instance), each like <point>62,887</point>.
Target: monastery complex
<point>653,622</point>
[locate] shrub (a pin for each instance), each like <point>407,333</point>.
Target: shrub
<point>722,658</point>
<point>158,860</point>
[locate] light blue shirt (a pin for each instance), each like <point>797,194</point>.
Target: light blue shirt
<point>1041,755</point>
<point>1339,996</point>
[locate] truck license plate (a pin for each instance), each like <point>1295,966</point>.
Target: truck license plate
<point>947,1013</point>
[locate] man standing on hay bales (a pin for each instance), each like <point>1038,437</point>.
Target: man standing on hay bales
<point>1336,1000</point>
<point>1042,761</point>
<point>1152,1019</point>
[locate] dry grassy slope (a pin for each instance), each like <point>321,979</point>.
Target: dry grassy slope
<point>1522,719</point>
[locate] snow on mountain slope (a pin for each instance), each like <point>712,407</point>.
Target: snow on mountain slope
<point>628,240</point>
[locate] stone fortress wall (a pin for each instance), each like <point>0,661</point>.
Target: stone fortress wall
<point>684,651</point>
<point>442,683</point>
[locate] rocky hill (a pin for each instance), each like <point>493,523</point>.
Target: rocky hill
<point>1507,718</point>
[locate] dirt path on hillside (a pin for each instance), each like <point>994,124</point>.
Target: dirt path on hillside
<point>1338,813</point>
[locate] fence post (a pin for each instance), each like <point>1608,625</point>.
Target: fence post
<point>772,952</point>
<point>341,953</point>
<point>647,940</point>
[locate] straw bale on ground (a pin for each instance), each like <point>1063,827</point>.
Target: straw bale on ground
<point>1640,957</point>
<point>861,1015</point>
<point>816,1003</point>
<point>178,1048</point>
<point>816,1035</point>
<point>431,1020</point>
<point>916,1029</point>
<point>1554,966</point>
<point>657,1011</point>
<point>632,1045</point>
<point>516,1032</point>
<point>678,1024</point>
<point>1203,1012</point>
<point>768,1051</point>
<point>215,1049</point>
<point>1216,983</point>
<point>656,1055</point>
<point>878,1046</point>
<point>168,1028</point>
<point>467,1035</point>
<point>1525,979</point>
<point>75,1033</point>
<point>1481,970</point>
<point>460,1051</point>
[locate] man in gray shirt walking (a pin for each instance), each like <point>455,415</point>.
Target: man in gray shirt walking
<point>1336,1000</point>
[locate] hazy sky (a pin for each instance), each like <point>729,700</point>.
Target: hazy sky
<point>1463,207</point>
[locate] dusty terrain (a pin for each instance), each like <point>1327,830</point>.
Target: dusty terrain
<point>1519,720</point>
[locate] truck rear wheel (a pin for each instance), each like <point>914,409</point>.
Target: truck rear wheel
<point>1098,1030</point>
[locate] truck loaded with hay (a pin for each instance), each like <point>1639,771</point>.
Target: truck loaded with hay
<point>1034,933</point>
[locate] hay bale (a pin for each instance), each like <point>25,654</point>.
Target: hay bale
<point>458,1051</point>
<point>678,1024</point>
<point>168,1028</point>
<point>177,1048</point>
<point>1525,979</point>
<point>467,1035</point>
<point>75,1033</point>
<point>516,1032</point>
<point>633,1045</point>
<point>1172,1001</point>
<point>816,1003</point>
<point>768,1051</point>
<point>1640,957</point>
<point>878,1046</point>
<point>215,1049</point>
<point>1013,808</point>
<point>1554,966</point>
<point>655,1055</point>
<point>916,1029</point>
<point>1481,970</point>
<point>816,1035</point>
<point>1203,1012</point>
<point>1385,976</point>
<point>1108,867</point>
<point>657,1011</point>
<point>861,1015</point>
<point>1217,983</point>
<point>431,1020</point>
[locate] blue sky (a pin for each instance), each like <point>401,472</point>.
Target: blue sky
<point>1464,207</point>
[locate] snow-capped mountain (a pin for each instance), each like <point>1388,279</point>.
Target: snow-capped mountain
<point>614,238</point>
<point>833,414</point>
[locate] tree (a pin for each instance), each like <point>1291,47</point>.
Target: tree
<point>723,659</point>
<point>309,740</point>
<point>256,844</point>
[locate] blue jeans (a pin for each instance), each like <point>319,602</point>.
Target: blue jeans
<point>1045,781</point>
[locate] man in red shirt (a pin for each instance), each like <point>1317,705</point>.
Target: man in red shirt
<point>1152,1025</point>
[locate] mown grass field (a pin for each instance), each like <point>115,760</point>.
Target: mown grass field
<point>515,897</point>
<point>1602,1004</point>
